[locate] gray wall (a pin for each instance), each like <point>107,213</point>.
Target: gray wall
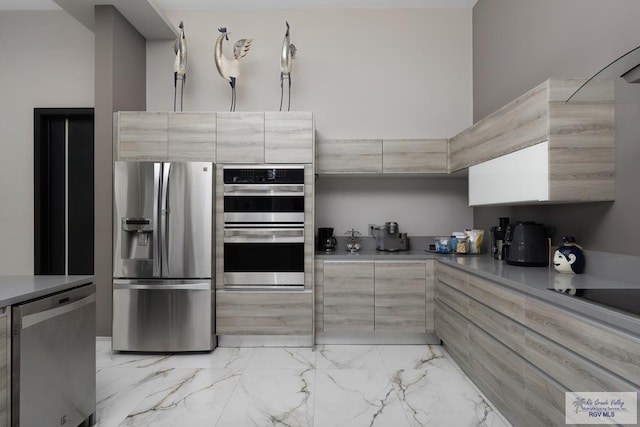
<point>365,73</point>
<point>120,85</point>
<point>47,61</point>
<point>519,43</point>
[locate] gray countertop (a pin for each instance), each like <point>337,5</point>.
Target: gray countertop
<point>17,289</point>
<point>537,282</point>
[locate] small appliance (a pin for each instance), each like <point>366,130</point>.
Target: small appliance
<point>497,238</point>
<point>388,238</point>
<point>326,241</point>
<point>527,244</point>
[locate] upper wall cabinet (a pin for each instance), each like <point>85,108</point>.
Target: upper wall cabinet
<point>192,136</point>
<point>414,156</point>
<point>349,156</point>
<point>580,158</point>
<point>254,137</point>
<point>240,137</point>
<point>288,137</point>
<point>375,156</point>
<point>140,135</point>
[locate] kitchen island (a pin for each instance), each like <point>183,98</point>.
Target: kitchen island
<point>47,350</point>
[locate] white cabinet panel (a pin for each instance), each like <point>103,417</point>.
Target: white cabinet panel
<point>518,177</point>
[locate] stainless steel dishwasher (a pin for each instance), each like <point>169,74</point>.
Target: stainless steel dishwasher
<point>54,360</point>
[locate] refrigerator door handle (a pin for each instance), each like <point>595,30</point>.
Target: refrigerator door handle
<point>164,213</point>
<point>157,236</point>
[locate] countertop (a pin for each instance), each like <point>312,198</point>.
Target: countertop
<point>537,282</point>
<point>17,289</point>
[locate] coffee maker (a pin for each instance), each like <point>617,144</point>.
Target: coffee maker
<point>388,238</point>
<point>498,237</point>
<point>326,241</point>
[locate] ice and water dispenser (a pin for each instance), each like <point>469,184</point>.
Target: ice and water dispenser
<point>137,238</point>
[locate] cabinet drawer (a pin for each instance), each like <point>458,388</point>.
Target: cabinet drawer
<point>500,327</point>
<point>263,313</point>
<point>569,369</point>
<point>501,371</point>
<point>544,399</point>
<point>453,330</point>
<point>453,277</point>
<point>604,346</point>
<point>454,299</point>
<point>502,300</point>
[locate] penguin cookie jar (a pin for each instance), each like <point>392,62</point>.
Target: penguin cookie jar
<point>569,258</point>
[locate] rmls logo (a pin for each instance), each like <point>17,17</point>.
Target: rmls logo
<point>601,408</point>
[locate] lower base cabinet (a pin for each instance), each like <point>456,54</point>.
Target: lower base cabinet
<point>264,313</point>
<point>5,366</point>
<point>374,297</point>
<point>523,353</point>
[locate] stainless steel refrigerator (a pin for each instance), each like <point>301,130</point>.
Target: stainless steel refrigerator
<point>162,257</point>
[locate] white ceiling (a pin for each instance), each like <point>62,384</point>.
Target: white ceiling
<point>259,4</point>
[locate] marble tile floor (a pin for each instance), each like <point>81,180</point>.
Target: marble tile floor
<point>335,385</point>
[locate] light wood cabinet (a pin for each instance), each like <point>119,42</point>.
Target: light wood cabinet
<point>598,343</point>
<point>192,136</point>
<point>349,156</point>
<point>264,313</point>
<point>140,135</point>
<point>348,296</point>
<point>525,353</point>
<point>240,137</point>
<point>5,366</point>
<point>318,289</point>
<point>414,156</point>
<point>400,296</point>
<point>288,137</point>
<point>502,372</point>
<point>580,163</point>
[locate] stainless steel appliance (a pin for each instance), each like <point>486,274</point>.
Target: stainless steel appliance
<point>263,226</point>
<point>527,244</point>
<point>388,238</point>
<point>54,359</point>
<point>162,256</point>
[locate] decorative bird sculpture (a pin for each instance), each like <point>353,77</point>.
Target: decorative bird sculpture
<point>229,68</point>
<point>179,66</point>
<point>287,56</point>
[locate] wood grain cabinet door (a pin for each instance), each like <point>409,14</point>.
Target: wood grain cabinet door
<point>414,156</point>
<point>264,313</point>
<point>240,137</point>
<point>348,296</point>
<point>400,296</point>
<point>288,137</point>
<point>192,137</point>
<point>5,371</point>
<point>349,156</point>
<point>140,135</point>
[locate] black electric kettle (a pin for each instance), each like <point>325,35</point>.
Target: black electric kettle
<point>527,244</point>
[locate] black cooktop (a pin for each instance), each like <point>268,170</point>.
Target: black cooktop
<point>625,300</point>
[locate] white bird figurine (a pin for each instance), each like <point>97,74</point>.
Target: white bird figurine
<point>179,66</point>
<point>287,56</point>
<point>229,68</point>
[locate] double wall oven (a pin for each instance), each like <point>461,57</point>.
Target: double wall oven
<point>263,232</point>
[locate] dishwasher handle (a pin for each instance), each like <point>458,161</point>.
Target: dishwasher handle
<point>29,320</point>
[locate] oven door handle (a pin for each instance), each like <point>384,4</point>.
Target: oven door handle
<point>264,190</point>
<point>264,235</point>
